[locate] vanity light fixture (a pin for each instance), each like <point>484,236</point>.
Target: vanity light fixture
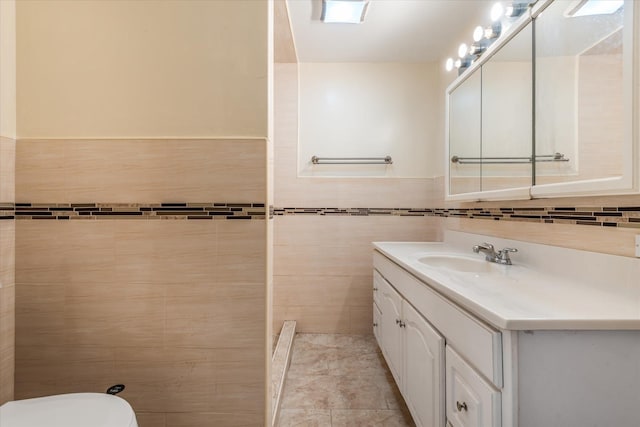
<point>449,64</point>
<point>497,11</point>
<point>516,9</point>
<point>478,33</point>
<point>483,37</point>
<point>476,49</point>
<point>462,50</point>
<point>343,11</point>
<point>493,32</point>
<point>593,7</point>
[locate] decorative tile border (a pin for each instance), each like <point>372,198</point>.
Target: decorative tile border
<point>94,211</point>
<point>626,217</point>
<point>7,211</point>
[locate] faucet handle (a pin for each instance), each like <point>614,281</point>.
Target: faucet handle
<point>485,246</point>
<point>503,255</point>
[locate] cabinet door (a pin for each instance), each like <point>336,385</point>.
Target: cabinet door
<point>377,318</point>
<point>423,369</point>
<point>377,280</point>
<point>390,331</point>
<point>471,401</point>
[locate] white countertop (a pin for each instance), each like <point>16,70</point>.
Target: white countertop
<point>545,288</point>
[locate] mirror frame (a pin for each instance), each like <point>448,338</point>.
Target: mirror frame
<point>628,183</point>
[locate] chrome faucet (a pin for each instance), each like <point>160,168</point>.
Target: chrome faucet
<point>500,257</point>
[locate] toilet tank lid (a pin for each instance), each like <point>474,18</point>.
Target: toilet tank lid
<point>69,410</point>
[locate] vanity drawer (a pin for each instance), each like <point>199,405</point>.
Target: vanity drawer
<point>476,341</point>
<point>470,400</point>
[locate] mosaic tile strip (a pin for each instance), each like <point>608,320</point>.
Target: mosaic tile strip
<point>7,211</point>
<point>178,211</point>
<point>626,217</point>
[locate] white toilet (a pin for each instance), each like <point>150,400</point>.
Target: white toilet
<point>69,410</point>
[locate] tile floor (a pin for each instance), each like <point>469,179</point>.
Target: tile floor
<point>340,380</point>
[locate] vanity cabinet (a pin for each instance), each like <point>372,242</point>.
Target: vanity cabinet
<point>414,352</point>
<point>524,351</point>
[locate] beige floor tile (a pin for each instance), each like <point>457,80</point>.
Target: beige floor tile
<point>353,344</point>
<point>369,418</point>
<point>365,392</point>
<point>309,356</point>
<point>343,374</point>
<point>305,418</point>
<point>348,364</point>
<point>312,392</point>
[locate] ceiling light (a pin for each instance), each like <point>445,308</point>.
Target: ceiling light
<point>594,7</point>
<point>343,11</point>
<point>497,11</point>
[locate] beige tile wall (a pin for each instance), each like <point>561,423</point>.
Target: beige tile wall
<point>175,310</point>
<point>7,272</point>
<point>7,311</point>
<point>322,264</point>
<point>323,267</point>
<point>617,241</point>
<point>130,171</point>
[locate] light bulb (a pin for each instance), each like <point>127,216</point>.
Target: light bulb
<point>462,50</point>
<point>449,64</point>
<point>478,33</point>
<point>497,11</point>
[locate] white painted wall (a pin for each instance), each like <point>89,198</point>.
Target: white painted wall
<point>370,110</point>
<point>148,68</point>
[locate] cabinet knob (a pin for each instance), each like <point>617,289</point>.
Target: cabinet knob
<point>375,289</point>
<point>375,324</point>
<point>402,324</point>
<point>461,406</point>
<point>398,321</point>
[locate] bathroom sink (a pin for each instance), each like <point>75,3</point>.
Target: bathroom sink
<point>458,263</point>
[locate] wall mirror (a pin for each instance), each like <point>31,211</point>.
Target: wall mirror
<point>490,121</point>
<point>506,114</point>
<point>583,67</point>
<point>568,133</point>
<point>465,128</point>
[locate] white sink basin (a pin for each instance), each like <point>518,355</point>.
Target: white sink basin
<point>458,263</point>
